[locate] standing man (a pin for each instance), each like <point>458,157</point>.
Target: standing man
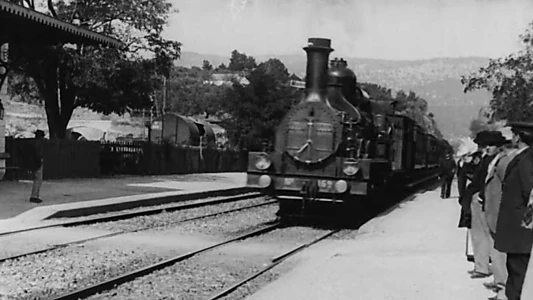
<point>481,241</point>
<point>492,197</point>
<point>527,222</point>
<point>447,173</point>
<point>511,238</point>
<point>37,166</point>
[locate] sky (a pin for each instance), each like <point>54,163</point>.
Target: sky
<point>381,29</point>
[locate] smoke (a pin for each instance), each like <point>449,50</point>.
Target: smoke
<point>391,29</point>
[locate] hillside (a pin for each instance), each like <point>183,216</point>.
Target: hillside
<point>437,80</point>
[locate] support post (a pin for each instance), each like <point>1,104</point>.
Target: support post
<point>3,96</point>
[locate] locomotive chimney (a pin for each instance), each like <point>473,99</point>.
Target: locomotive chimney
<point>318,51</point>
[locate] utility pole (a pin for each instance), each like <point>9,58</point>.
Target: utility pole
<point>164,94</point>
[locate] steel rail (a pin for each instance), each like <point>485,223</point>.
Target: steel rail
<point>142,212</point>
<point>62,245</point>
<point>111,283</point>
<point>275,261</point>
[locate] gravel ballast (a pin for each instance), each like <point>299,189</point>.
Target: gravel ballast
<point>44,275</point>
<point>63,270</point>
<point>208,274</point>
<point>170,218</point>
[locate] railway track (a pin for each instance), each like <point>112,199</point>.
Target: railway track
<point>141,212</point>
<point>274,262</point>
<point>111,283</point>
<point>62,245</point>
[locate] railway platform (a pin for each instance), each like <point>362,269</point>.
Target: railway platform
<point>78,197</point>
<point>414,251</point>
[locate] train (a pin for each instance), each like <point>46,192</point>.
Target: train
<point>337,148</point>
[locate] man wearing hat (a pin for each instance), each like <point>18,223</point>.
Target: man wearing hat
<point>37,166</point>
<point>511,238</point>
<point>491,197</point>
<point>447,167</point>
<point>489,141</point>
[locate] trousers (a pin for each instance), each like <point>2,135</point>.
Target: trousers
<point>499,268</point>
<point>527,288</point>
<point>517,264</point>
<point>37,182</point>
<point>482,242</point>
<point>446,187</point>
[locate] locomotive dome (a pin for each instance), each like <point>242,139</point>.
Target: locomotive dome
<point>339,68</point>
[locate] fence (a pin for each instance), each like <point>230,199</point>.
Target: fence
<point>82,159</point>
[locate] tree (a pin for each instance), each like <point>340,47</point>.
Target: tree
<point>241,62</point>
<point>254,111</point>
<point>509,80</point>
<point>188,93</point>
<point>206,65</point>
<point>105,80</point>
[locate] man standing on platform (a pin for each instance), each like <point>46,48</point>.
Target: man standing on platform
<point>37,166</point>
<point>492,199</point>
<point>447,167</point>
<point>527,222</point>
<point>481,240</point>
<point>511,238</point>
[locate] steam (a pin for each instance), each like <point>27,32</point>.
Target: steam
<point>387,29</point>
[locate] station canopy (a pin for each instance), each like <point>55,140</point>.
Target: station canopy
<point>20,25</point>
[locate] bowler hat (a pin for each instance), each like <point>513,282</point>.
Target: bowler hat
<point>494,138</point>
<point>481,137</point>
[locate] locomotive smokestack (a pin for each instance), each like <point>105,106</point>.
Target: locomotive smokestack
<point>318,51</point>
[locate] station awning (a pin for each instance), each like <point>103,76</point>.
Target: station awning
<point>22,25</point>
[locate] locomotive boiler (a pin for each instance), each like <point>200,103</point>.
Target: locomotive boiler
<point>331,148</point>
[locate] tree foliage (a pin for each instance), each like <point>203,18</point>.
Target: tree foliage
<point>206,65</point>
<point>241,62</point>
<point>410,105</point>
<point>189,94</point>
<point>509,80</point>
<point>252,112</point>
<point>104,79</point>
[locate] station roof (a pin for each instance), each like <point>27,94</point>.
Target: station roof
<point>21,25</point>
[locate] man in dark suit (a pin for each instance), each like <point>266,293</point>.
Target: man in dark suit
<point>37,150</point>
<point>511,237</point>
<point>489,141</point>
<point>447,169</point>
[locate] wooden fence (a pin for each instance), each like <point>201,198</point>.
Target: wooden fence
<point>82,159</point>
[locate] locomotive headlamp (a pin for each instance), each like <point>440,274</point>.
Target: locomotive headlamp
<point>341,186</point>
<point>264,181</point>
<point>263,162</point>
<point>350,167</point>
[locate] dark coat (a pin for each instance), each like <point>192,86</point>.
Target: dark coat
<point>477,184</point>
<point>447,167</point>
<point>465,172</point>
<point>511,237</point>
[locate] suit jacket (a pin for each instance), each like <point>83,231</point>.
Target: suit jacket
<point>447,167</point>
<point>478,181</point>
<point>493,188</point>
<point>511,237</point>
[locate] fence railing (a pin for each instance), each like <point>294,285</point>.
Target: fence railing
<point>83,159</point>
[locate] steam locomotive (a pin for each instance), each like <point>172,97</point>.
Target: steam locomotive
<point>338,148</point>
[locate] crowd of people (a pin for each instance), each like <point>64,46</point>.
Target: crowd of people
<point>495,184</point>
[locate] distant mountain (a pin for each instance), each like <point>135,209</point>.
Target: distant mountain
<point>436,80</point>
